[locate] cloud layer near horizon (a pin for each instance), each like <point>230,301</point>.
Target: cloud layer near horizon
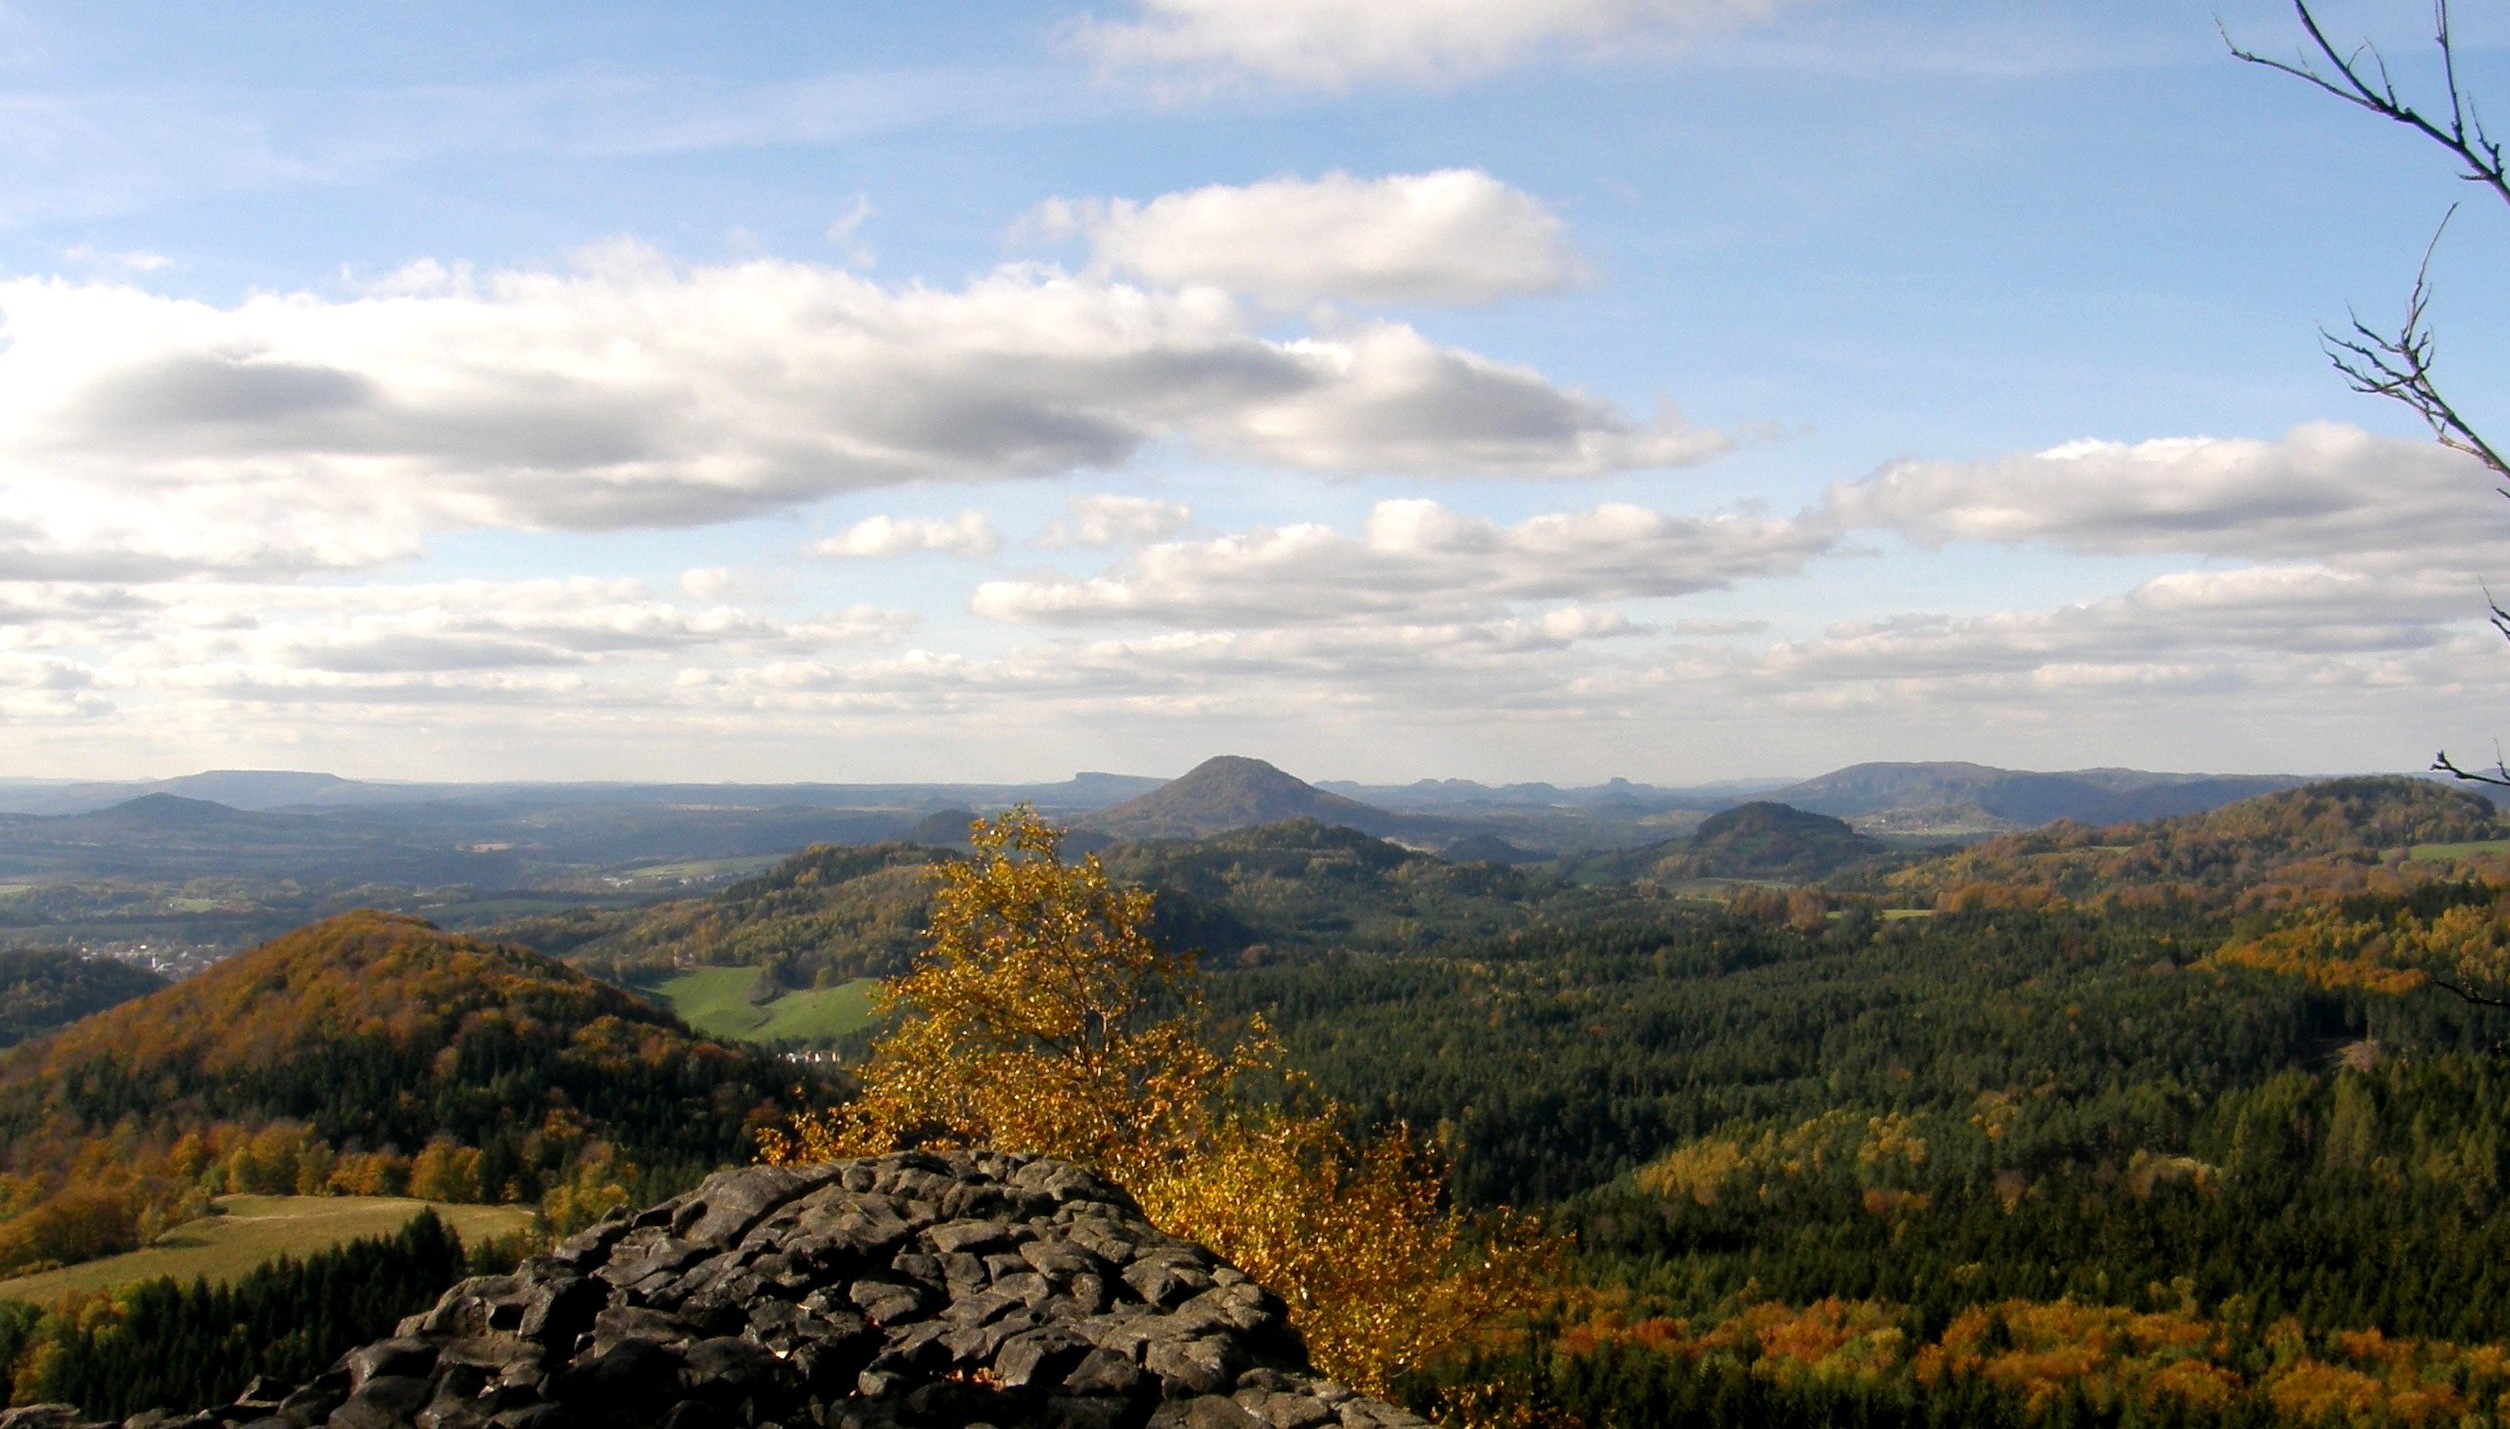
<point>2329,569</point>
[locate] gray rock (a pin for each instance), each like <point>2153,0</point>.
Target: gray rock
<point>1208,1365</point>
<point>43,1416</point>
<point>898,1292</point>
<point>384,1400</point>
<point>398,1357</point>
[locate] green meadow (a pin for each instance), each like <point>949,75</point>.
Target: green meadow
<point>716,1002</point>
<point>251,1229</point>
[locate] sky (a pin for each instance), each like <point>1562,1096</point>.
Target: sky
<point>1675,390</point>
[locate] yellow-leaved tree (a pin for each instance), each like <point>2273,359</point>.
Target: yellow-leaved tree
<point>2391,945</point>
<point>1042,1018</point>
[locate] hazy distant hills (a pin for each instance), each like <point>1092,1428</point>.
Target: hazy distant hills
<point>1954,797</point>
<point>269,789</point>
<point>179,868</point>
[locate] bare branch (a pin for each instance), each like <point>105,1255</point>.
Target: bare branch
<point>2499,778</point>
<point>2361,79</point>
<point>2475,998</point>
<point>2400,367</point>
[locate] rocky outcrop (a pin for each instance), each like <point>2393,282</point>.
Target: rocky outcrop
<point>909,1290</point>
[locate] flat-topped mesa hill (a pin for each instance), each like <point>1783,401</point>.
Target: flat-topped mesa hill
<point>2327,835</point>
<point>1234,792</point>
<point>1918,796</point>
<point>900,1292</point>
<point>343,1051</point>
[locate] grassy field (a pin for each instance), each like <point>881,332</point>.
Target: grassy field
<point>253,1229</point>
<point>2437,852</point>
<point>716,1002</point>
<point>699,870</point>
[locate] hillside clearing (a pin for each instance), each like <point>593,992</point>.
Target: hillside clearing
<point>253,1229</point>
<point>716,1002</point>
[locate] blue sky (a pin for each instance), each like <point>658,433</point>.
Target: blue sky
<point>1674,389</point>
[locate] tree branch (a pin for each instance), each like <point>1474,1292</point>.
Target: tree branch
<point>2361,79</point>
<point>2499,778</point>
<point>2475,999</point>
<point>2400,368</point>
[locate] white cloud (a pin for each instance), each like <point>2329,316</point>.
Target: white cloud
<point>1333,44</point>
<point>142,435</point>
<point>2218,620</point>
<point>970,533</point>
<point>1457,236</point>
<point>136,260</point>
<point>845,235</point>
<point>256,641</point>
<point>2324,491</point>
<point>709,583</point>
<point>1413,561</point>
<point>1098,521</point>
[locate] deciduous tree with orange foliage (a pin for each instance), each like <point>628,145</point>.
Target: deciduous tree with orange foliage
<point>1042,1018</point>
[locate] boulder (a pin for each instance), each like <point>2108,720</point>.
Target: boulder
<point>912,1291</point>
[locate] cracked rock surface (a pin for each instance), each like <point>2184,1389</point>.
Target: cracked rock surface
<point>900,1292</point>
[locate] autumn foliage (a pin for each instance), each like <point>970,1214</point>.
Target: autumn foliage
<point>2110,1363</point>
<point>2334,837</point>
<point>1042,1018</point>
<point>367,1055</point>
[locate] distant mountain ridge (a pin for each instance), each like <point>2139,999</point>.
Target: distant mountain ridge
<point>2327,831</point>
<point>1916,796</point>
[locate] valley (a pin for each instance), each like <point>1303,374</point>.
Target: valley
<point>1784,1083</point>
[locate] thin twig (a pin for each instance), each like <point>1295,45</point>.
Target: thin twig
<point>2475,998</point>
<point>2361,79</point>
<point>2400,368</point>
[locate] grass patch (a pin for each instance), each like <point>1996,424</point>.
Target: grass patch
<point>665,875</point>
<point>2436,853</point>
<point>253,1229</point>
<point>716,1002</point>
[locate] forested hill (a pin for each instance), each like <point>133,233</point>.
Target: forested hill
<point>368,1053</point>
<point>828,914</point>
<point>2324,835</point>
<point>1755,842</point>
<point>43,989</point>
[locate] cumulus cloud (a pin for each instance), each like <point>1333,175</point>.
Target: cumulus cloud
<point>393,630</point>
<point>144,435</point>
<point>970,533</point>
<point>2323,491</point>
<point>1414,560</point>
<point>1417,667</point>
<point>709,583</point>
<point>1457,236</point>
<point>1333,44</point>
<point>1098,521</point>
